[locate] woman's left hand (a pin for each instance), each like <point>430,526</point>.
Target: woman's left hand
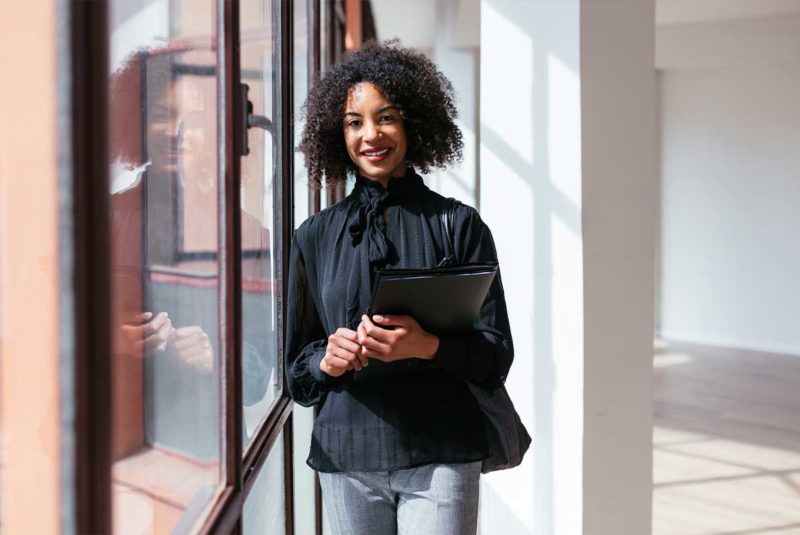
<point>406,341</point>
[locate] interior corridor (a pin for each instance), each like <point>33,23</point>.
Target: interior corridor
<point>726,442</point>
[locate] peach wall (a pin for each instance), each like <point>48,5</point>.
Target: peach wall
<point>353,36</point>
<point>29,473</point>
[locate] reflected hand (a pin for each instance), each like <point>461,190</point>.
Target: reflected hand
<point>147,335</point>
<point>192,347</point>
<point>407,340</point>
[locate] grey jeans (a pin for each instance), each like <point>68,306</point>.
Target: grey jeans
<point>432,499</point>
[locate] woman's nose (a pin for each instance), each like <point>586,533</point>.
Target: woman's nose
<point>371,131</point>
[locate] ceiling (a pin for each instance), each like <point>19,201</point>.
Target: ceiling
<point>414,21</point>
<point>695,11</point>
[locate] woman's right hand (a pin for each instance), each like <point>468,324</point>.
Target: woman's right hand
<point>343,353</point>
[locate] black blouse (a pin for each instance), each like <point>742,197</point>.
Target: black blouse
<point>395,415</point>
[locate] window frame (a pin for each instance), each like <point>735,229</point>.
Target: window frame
<point>92,306</point>
<point>89,46</point>
<point>242,471</point>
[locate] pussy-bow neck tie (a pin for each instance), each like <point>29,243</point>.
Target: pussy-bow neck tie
<point>367,232</point>
<point>368,221</point>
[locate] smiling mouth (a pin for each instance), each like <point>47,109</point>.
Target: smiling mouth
<point>374,153</point>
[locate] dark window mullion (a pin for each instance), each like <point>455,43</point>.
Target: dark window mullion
<point>335,22</point>
<point>92,279</point>
<point>288,473</point>
<point>314,58</point>
<point>284,220</point>
<point>231,245</point>
<point>224,516</point>
<point>315,197</point>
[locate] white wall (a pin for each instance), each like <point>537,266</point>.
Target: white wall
<point>460,65</point>
<point>730,114</point>
<point>531,199</point>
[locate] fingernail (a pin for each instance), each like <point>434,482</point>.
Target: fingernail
<point>377,318</point>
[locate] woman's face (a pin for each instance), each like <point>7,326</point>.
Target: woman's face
<point>374,133</point>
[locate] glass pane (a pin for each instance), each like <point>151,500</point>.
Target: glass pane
<point>326,58</point>
<point>302,57</point>
<point>303,417</point>
<point>304,481</point>
<point>260,366</point>
<point>166,392</point>
<point>264,510</point>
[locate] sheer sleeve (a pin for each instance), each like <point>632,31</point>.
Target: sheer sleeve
<point>483,354</point>
<point>306,340</point>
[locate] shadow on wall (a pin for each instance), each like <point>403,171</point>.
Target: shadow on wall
<point>533,135</point>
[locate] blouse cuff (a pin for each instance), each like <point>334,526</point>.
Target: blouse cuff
<point>451,353</point>
<point>315,371</point>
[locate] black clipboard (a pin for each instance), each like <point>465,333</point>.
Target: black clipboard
<point>446,299</point>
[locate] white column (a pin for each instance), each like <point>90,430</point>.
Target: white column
<point>618,99</point>
<point>567,185</point>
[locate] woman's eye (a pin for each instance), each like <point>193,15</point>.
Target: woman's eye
<point>387,117</point>
<point>354,123</point>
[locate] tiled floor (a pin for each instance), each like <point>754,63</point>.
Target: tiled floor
<point>726,443</point>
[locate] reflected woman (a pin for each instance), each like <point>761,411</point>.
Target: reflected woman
<point>399,439</point>
<point>163,170</point>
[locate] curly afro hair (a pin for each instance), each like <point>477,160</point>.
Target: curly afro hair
<point>408,79</point>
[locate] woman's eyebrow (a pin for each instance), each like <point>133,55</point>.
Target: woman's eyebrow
<point>390,106</point>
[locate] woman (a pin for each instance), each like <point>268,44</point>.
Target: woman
<point>399,438</point>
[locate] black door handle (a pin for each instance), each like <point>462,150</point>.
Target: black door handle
<point>250,120</point>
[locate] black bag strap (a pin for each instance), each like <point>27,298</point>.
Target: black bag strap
<point>448,216</point>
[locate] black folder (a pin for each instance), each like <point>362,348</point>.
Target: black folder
<point>442,300</point>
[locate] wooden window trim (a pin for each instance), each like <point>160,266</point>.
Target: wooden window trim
<point>89,94</point>
<point>353,35</point>
<point>224,514</point>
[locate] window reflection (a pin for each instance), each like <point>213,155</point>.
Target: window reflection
<point>262,379</point>
<point>165,291</point>
<point>165,296</point>
<point>264,508</point>
<point>301,58</point>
